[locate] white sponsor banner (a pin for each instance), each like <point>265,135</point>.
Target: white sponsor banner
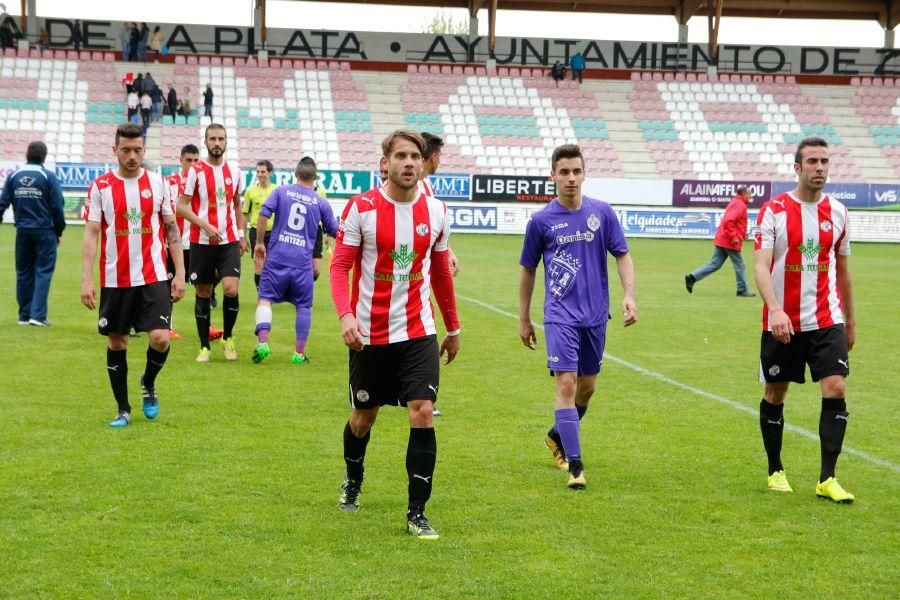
<point>629,192</point>
<point>367,46</point>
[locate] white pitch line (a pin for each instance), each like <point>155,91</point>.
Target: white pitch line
<point>733,404</point>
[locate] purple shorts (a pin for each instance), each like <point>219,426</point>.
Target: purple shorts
<point>285,284</point>
<point>575,349</point>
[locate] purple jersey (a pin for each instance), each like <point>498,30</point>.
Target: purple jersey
<point>298,211</point>
<point>573,244</point>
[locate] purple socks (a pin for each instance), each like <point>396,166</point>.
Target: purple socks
<point>301,325</point>
<point>569,431</point>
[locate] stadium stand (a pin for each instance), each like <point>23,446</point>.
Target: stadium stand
<point>670,125</point>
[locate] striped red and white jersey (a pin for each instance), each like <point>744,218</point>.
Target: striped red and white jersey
<point>426,188</point>
<point>391,296</point>
<point>805,238</point>
<point>215,198</point>
<point>132,238</point>
<point>176,188</point>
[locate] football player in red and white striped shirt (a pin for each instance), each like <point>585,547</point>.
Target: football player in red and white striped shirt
<point>129,212</point>
<point>211,202</point>
<point>394,239</point>
<point>189,155</point>
<point>802,272</point>
<point>431,162</point>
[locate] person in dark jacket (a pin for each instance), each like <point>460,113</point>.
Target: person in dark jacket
<point>558,72</point>
<point>36,197</point>
<point>208,101</point>
<point>133,49</point>
<point>729,239</point>
<point>156,94</point>
<point>77,34</point>
<point>172,100</point>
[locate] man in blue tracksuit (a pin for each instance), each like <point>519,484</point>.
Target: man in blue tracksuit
<point>37,201</point>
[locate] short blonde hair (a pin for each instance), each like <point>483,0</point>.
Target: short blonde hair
<point>406,134</point>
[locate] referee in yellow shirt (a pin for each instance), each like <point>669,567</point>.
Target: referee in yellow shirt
<point>254,197</point>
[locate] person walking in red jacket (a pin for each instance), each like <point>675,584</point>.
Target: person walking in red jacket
<point>729,239</point>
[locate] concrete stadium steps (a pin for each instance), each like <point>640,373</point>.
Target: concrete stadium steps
<point>624,131</point>
<point>385,107</point>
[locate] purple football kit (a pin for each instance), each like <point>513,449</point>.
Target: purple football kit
<point>287,274</point>
<point>573,245</point>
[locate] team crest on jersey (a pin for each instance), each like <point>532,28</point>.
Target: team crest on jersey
<point>422,229</point>
<point>593,222</point>
<point>146,194</point>
<point>228,181</point>
<point>825,226</point>
<point>362,396</point>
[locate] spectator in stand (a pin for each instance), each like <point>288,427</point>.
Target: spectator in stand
<point>134,43</point>
<point>44,40</point>
<point>186,100</point>
<point>125,39</point>
<point>148,83</point>
<point>7,35</point>
<point>208,101</point>
<point>77,34</point>
<point>38,204</point>
<point>172,100</point>
<point>144,40</point>
<point>146,107</point>
<point>156,42</point>
<point>156,95</point>
<point>558,72</point>
<point>578,65</point>
<point>133,103</point>
<point>179,109</point>
<point>138,84</point>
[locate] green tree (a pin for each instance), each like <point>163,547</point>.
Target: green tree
<point>442,23</point>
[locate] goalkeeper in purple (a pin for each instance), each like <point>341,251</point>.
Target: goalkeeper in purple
<point>573,235</point>
<point>287,267</point>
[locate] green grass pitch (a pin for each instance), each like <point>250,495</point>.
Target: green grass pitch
<point>232,491</point>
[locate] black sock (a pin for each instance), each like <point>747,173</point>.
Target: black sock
<point>201,314</point>
<point>771,423</point>
<point>230,307</point>
<point>832,426</point>
<point>155,362</point>
<point>420,458</point>
<point>117,368</point>
<point>256,279</point>
<point>554,435</point>
<point>355,452</point>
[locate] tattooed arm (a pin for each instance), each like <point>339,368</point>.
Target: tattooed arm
<point>173,237</point>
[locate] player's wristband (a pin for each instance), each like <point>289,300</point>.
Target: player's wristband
<point>453,333</point>
<point>241,234</point>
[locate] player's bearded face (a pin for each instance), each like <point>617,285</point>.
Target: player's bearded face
<point>812,171</point>
<point>216,143</point>
<point>404,164</point>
